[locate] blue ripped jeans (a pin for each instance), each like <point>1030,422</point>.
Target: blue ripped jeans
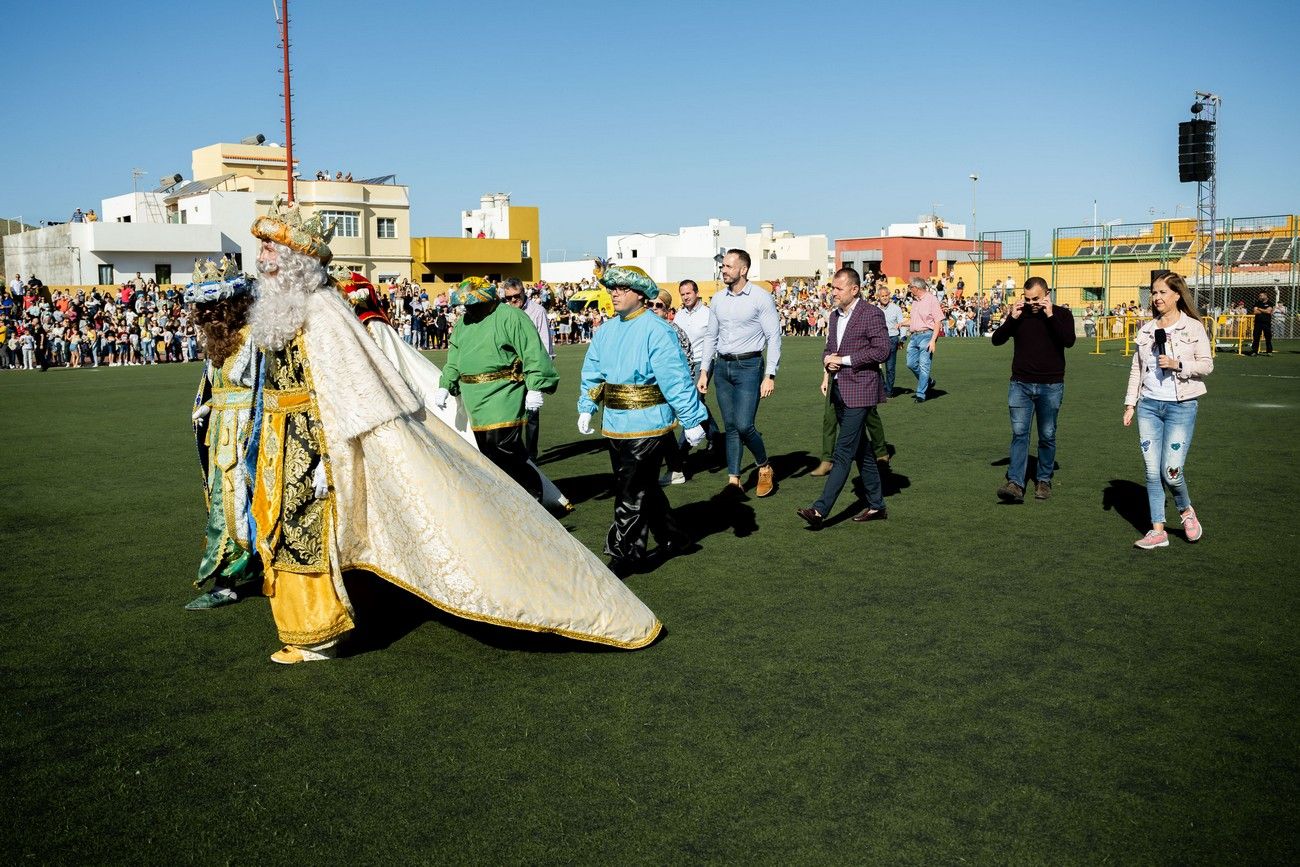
<point>1165,432</point>
<point>1027,400</point>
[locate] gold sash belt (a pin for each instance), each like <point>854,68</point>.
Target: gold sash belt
<point>514,371</point>
<point>231,398</point>
<point>295,400</point>
<point>627,396</point>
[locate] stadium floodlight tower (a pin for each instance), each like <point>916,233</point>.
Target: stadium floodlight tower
<point>1197,162</point>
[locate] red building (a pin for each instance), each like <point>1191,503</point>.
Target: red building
<point>902,257</point>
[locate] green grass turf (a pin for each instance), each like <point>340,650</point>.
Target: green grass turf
<point>965,682</point>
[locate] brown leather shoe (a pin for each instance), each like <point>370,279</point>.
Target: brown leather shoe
<point>823,469</point>
<point>765,485</point>
<point>811,516</point>
<point>870,515</point>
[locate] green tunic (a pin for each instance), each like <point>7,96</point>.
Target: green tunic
<point>493,363</point>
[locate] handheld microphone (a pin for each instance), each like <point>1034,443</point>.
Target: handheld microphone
<point>1160,342</point>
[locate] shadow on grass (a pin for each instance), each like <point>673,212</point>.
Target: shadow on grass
<point>1128,500</point>
<point>387,613</point>
<point>594,443</point>
<point>722,512</point>
<point>581,489</point>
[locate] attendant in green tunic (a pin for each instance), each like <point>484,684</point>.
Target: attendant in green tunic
<point>222,425</point>
<point>500,369</point>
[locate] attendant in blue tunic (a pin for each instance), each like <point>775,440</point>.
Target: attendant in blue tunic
<point>635,367</point>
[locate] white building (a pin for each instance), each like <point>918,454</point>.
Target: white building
<point>159,234</point>
<point>690,251</point>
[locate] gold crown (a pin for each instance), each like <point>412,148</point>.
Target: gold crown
<point>206,271</point>
<point>287,226</point>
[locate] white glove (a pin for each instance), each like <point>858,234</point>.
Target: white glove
<point>201,412</point>
<point>533,401</point>
<point>440,398</point>
<point>320,484</point>
<point>695,435</point>
<point>584,424</point>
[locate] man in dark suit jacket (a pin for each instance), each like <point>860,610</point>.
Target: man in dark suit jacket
<point>857,341</point>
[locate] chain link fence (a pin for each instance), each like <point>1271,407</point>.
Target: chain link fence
<point>1007,262</point>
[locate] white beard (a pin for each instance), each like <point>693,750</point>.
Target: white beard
<point>280,311</point>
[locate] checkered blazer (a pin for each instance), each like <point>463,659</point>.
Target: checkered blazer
<point>866,342</point>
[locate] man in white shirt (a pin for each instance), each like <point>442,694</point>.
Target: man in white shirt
<point>513,293</point>
<point>743,326</point>
<point>694,318</point>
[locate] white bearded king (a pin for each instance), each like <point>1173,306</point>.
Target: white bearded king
<point>353,474</point>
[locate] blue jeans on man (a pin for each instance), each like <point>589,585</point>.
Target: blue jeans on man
<point>891,364</point>
<point>919,360</point>
<point>1029,400</point>
<point>737,382</point>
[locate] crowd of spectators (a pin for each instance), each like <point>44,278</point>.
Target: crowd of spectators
<point>141,323</point>
<point>805,305</point>
<point>138,323</point>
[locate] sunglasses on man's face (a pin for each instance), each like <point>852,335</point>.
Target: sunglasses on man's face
<point>511,299</point>
<point>659,305</point>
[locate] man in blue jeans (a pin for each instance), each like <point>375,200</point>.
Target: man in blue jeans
<point>743,324</point>
<point>926,319</point>
<point>1042,331</point>
<point>894,324</point>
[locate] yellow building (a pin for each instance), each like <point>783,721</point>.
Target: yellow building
<point>371,216</point>
<point>1113,266</point>
<point>497,240</point>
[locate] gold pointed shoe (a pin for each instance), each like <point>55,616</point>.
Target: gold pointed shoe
<point>292,655</point>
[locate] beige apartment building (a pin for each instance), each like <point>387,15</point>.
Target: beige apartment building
<point>371,216</point>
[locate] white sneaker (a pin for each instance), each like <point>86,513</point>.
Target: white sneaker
<point>672,479</point>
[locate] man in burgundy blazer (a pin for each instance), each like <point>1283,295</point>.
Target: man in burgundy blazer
<point>857,341</point>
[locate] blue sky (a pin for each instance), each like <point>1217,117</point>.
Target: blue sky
<point>826,117</point>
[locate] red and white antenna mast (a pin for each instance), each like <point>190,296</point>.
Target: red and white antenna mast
<point>283,16</point>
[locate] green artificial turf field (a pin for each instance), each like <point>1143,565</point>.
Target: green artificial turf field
<point>965,682</point>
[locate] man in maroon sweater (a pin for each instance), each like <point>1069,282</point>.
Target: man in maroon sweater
<point>1042,331</point>
<point>857,341</point>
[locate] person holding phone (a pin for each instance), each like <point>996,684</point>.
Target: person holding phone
<point>1171,358</point>
<point>1041,332</point>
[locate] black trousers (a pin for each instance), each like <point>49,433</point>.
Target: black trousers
<point>1262,329</point>
<point>640,505</point>
<point>504,446</point>
<point>532,431</point>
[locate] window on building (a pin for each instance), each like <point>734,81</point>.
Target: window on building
<point>387,227</point>
<point>105,275</point>
<point>387,278</point>
<point>1094,293</point>
<point>914,265</point>
<point>633,252</point>
<point>162,273</point>
<point>345,223</point>
<point>524,252</point>
<point>125,219</point>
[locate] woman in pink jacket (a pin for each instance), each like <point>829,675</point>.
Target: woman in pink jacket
<point>1171,358</point>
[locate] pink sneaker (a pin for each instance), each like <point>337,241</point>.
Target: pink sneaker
<point>1153,539</point>
<point>1191,526</point>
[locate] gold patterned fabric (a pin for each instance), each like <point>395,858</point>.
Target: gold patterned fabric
<point>514,372</point>
<point>628,396</point>
<point>291,521</point>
